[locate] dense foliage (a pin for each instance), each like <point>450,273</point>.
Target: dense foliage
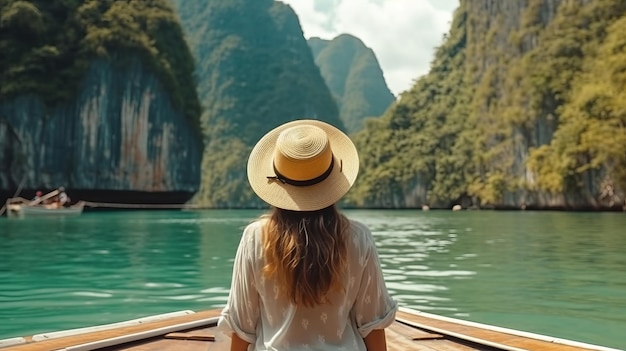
<point>511,114</point>
<point>416,141</point>
<point>47,46</point>
<point>524,103</point>
<point>255,72</point>
<point>591,137</point>
<point>354,77</point>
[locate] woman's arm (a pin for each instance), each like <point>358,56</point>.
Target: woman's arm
<point>376,341</point>
<point>238,344</point>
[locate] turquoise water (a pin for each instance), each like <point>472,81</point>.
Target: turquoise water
<point>553,273</point>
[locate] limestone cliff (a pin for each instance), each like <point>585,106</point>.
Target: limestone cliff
<point>530,60</point>
<point>353,75</point>
<point>97,96</point>
<point>523,108</point>
<point>255,72</point>
<point>120,133</point>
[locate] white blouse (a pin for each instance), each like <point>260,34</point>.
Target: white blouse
<point>257,314</point>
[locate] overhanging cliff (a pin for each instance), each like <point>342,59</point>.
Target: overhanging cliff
<point>120,133</point>
<point>97,96</point>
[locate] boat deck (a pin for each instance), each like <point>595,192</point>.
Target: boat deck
<point>412,330</point>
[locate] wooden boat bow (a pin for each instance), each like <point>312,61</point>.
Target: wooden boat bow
<point>196,331</point>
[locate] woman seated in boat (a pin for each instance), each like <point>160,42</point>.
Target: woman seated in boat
<point>305,276</point>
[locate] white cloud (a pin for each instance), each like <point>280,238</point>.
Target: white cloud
<point>402,33</point>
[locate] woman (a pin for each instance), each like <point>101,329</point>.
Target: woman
<point>305,277</point>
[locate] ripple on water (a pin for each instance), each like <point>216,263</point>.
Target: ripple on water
<point>420,288</point>
<point>216,290</point>
<point>558,274</point>
<point>221,299</point>
<point>402,259</point>
<point>183,297</point>
<point>466,256</point>
<point>91,294</point>
<point>431,273</point>
<point>201,220</point>
<point>163,285</point>
<point>420,298</point>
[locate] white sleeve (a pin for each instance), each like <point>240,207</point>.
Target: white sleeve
<point>242,311</point>
<point>374,308</point>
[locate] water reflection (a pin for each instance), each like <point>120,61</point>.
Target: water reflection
<point>559,274</point>
<point>553,273</point>
<point>407,245</point>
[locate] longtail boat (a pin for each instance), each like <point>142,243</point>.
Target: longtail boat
<point>196,331</point>
<point>20,207</point>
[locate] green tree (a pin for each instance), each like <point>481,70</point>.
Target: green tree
<point>255,72</point>
<point>354,77</point>
<point>47,46</point>
<point>592,132</point>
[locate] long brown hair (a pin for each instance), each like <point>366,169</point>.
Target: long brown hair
<point>305,252</point>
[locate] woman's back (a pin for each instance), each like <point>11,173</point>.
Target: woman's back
<point>304,277</point>
<point>361,305</point>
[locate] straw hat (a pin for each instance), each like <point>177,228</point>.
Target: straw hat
<point>304,165</point>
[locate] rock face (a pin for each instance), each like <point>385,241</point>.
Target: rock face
<point>530,60</point>
<point>121,133</point>
<point>255,72</point>
<point>522,108</point>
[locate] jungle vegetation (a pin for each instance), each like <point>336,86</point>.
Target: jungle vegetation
<point>354,77</point>
<point>47,46</point>
<point>523,108</point>
<point>255,72</point>
<point>508,115</point>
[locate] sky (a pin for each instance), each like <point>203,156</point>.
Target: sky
<point>402,33</point>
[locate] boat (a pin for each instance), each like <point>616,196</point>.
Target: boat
<point>197,331</point>
<point>21,210</point>
<point>20,207</point>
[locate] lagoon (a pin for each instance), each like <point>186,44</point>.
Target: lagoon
<point>561,274</point>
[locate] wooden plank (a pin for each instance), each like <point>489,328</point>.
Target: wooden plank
<point>221,343</point>
<point>191,336</point>
<point>399,340</point>
<point>413,333</point>
<point>63,342</point>
<point>410,331</point>
<point>402,337</point>
<point>163,345</point>
<point>490,336</point>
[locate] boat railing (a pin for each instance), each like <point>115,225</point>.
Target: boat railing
<point>17,201</point>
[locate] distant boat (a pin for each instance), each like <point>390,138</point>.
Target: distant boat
<point>20,207</point>
<point>24,210</point>
<point>196,331</point>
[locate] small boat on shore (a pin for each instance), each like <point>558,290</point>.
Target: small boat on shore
<point>42,206</point>
<point>196,331</point>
